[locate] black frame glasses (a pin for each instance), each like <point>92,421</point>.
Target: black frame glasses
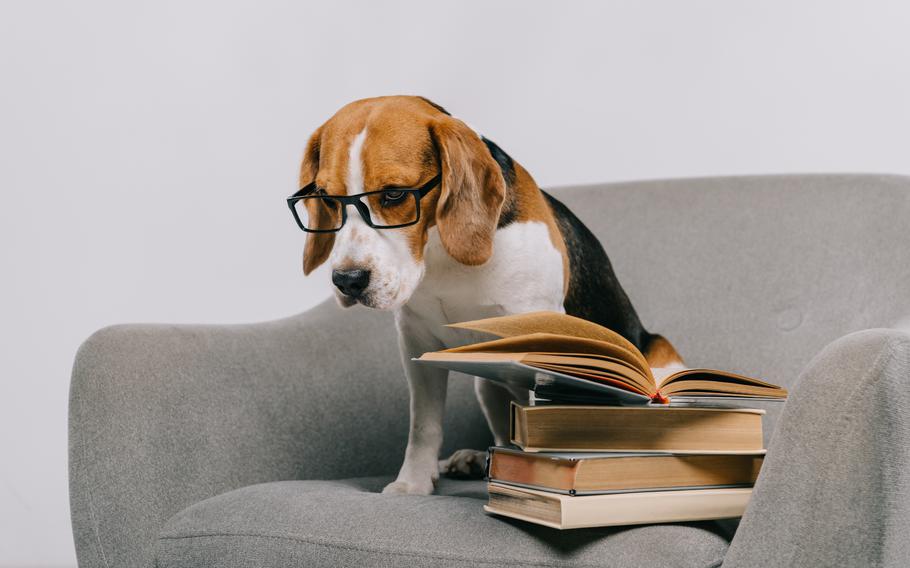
<point>310,191</point>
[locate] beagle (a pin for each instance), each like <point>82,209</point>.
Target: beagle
<point>419,214</point>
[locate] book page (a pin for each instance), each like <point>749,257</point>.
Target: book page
<point>551,323</point>
<point>545,343</point>
<point>718,388</point>
<point>716,375</point>
<point>589,365</point>
<point>614,379</point>
<point>545,322</point>
<point>716,382</point>
<point>611,364</point>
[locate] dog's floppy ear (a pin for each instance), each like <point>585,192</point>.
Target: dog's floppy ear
<point>472,193</point>
<point>318,245</point>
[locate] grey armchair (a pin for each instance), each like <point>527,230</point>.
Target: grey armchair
<point>265,444</point>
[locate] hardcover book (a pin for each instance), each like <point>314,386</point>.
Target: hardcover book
<point>575,428</point>
<point>560,511</point>
<point>583,473</point>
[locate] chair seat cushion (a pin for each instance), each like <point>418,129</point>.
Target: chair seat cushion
<point>349,523</point>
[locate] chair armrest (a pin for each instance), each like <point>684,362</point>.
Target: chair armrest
<point>835,486</point>
<point>163,416</point>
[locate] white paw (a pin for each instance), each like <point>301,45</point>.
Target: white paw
<point>464,464</point>
<point>400,487</point>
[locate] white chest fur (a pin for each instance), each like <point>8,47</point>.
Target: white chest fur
<point>524,274</point>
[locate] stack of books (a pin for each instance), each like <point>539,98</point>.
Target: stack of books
<point>604,442</point>
<point>581,466</point>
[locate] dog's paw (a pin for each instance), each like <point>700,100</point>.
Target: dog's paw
<point>464,464</point>
<point>400,487</point>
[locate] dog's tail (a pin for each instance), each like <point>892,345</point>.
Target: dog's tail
<point>661,354</point>
<point>662,357</point>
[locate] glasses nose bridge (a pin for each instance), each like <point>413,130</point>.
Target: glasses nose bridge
<point>356,201</point>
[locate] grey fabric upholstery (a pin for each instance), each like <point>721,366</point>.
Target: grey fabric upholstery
<point>348,523</point>
<point>835,488</point>
<point>752,274</point>
<point>757,274</point>
<point>164,416</point>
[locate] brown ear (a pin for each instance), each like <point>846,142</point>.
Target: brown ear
<point>472,192</point>
<point>318,245</point>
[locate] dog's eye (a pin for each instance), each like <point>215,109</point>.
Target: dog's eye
<point>391,197</point>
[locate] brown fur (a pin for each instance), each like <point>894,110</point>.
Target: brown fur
<point>473,191</point>
<point>318,246</point>
<point>661,353</point>
<point>409,141</point>
<point>398,152</point>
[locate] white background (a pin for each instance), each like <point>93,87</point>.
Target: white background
<point>146,150</point>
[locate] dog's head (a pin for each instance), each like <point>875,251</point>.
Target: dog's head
<point>399,142</point>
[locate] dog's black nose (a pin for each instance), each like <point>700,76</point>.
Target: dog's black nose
<point>351,282</point>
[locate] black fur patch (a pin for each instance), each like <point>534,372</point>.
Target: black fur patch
<point>434,105</point>
<point>507,166</point>
<point>504,160</point>
<point>594,291</point>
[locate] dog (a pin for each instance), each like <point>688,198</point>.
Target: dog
<point>487,241</point>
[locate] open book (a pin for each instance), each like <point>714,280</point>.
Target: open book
<point>555,354</point>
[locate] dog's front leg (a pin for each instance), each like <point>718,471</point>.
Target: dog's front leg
<point>420,470</point>
<point>495,402</point>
